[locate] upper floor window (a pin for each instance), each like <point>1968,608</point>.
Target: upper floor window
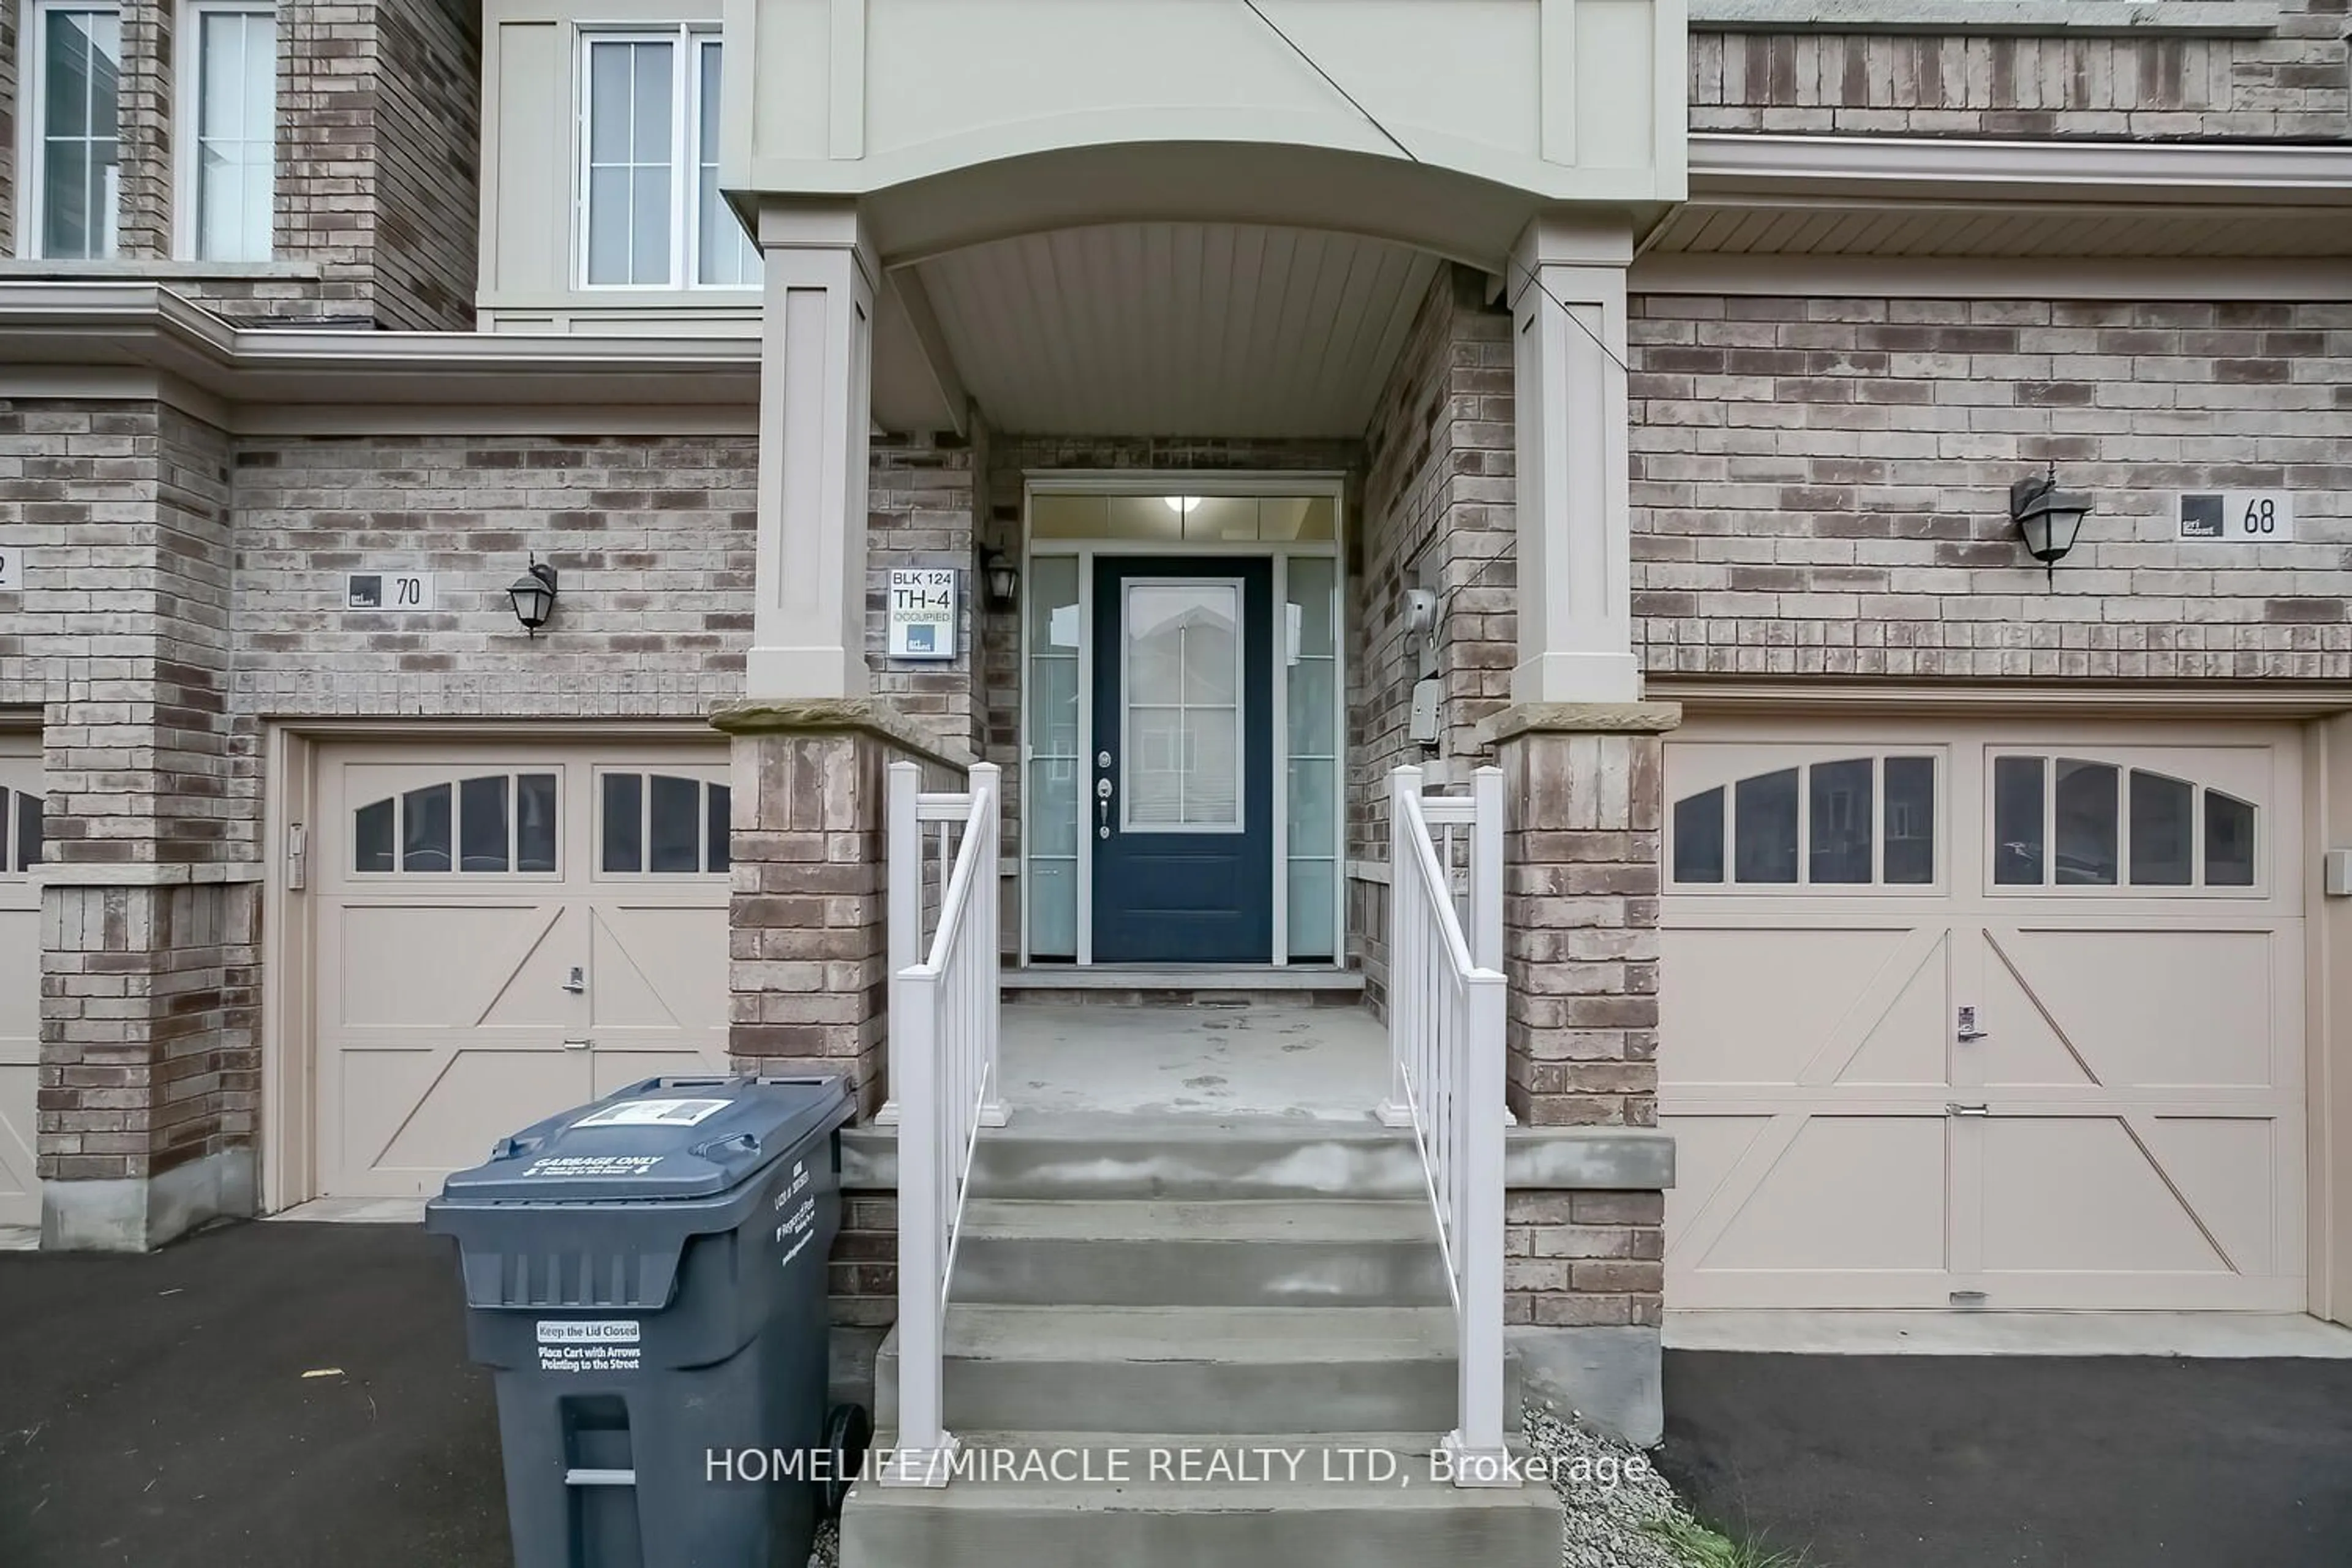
<point>651,214</point>
<point>76,55</point>
<point>228,110</point>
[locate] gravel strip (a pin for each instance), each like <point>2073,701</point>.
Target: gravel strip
<point>1610,1491</point>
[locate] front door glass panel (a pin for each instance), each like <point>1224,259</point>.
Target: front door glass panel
<point>1183,718</point>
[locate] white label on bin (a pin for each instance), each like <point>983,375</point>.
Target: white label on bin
<point>655,1113</point>
<point>567,1344</point>
<point>599,1166</point>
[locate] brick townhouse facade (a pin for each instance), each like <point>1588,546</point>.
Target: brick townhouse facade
<point>1690,361</point>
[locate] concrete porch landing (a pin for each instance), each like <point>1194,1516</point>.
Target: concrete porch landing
<point>1296,1061</point>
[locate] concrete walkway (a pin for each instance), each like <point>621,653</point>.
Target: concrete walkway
<point>1982,1462</point>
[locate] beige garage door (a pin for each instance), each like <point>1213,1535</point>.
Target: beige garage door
<point>20,973</point>
<point>1984,1013</point>
<point>504,933</point>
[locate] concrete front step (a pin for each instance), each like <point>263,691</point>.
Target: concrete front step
<point>1185,1157</point>
<point>1252,1253</point>
<point>1235,1369</point>
<point>1178,1501</point>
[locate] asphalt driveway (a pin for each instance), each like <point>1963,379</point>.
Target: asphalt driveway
<point>155,1411</point>
<point>1982,1462</point>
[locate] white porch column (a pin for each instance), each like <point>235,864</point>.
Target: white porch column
<point>808,623</point>
<point>1575,504</point>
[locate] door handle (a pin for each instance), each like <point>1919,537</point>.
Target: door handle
<point>1102,803</point>
<point>577,1045</point>
<point>1953,1109</point>
<point>577,981</point>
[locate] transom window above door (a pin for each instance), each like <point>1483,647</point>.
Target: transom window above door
<point>650,212</point>
<point>1189,518</point>
<point>1852,821</point>
<point>2063,822</point>
<point>488,822</point>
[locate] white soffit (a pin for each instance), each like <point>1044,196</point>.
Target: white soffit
<point>1190,329</point>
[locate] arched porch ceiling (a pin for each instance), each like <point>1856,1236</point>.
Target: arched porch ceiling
<point>1177,329</point>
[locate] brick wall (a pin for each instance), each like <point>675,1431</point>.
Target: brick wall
<point>863,1271</point>
<point>150,1009</point>
<point>134,676</point>
<point>143,123</point>
<point>1438,512</point>
<point>1821,486</point>
<point>147,1003</point>
<point>2290,86</point>
<point>921,498</point>
<point>378,192</point>
<point>809,968</point>
<point>1584,1259</point>
<point>426,161</point>
<point>1580,885</point>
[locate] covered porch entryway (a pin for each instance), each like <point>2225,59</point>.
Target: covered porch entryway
<point>1271,464</point>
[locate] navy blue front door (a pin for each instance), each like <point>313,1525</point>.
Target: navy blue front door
<point>1182,804</point>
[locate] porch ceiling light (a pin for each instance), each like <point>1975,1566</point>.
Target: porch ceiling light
<point>533,595</point>
<point>2047,518</point>
<point>1003,579</point>
<point>1180,505</point>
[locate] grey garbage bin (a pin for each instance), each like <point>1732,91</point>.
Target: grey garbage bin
<point>646,1275</point>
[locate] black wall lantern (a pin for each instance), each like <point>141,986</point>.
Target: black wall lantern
<point>1003,577</point>
<point>2047,518</point>
<point>535,595</point>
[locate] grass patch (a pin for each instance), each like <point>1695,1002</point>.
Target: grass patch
<point>1700,1547</point>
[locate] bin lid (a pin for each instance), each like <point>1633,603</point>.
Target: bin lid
<point>665,1138</point>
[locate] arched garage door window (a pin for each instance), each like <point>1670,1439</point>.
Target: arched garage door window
<point>20,831</point>
<point>1848,822</point>
<point>2063,822</point>
<point>491,823</point>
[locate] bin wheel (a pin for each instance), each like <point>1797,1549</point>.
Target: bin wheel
<point>848,1432</point>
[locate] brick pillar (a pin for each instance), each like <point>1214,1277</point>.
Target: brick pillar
<point>808,956</point>
<point>148,1067</point>
<point>1580,879</point>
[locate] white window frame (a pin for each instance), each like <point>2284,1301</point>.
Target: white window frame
<point>1086,551</point>
<point>687,41</point>
<point>188,87</point>
<point>1802,757</point>
<point>2126,762</point>
<point>32,111</point>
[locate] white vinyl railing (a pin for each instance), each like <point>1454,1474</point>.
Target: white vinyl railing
<point>1445,1002</point>
<point>942,1050</point>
